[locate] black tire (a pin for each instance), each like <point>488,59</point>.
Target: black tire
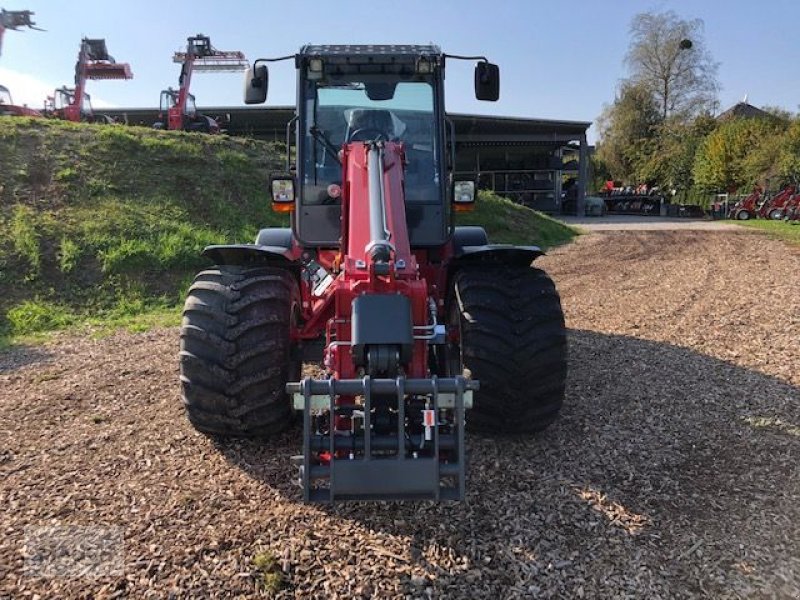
<point>236,355</point>
<point>743,215</point>
<point>513,340</point>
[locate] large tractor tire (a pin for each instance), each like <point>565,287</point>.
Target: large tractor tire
<point>513,340</point>
<point>236,355</point>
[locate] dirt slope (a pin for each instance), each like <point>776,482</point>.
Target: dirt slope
<point>673,471</point>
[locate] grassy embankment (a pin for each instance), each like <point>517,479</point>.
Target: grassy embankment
<point>102,226</point>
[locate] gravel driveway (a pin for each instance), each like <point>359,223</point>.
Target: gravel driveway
<point>673,472</point>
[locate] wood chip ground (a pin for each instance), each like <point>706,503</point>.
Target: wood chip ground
<point>674,470</point>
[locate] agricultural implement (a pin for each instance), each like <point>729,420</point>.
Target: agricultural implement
<point>94,63</point>
<point>177,109</point>
<point>418,326</point>
<point>15,20</point>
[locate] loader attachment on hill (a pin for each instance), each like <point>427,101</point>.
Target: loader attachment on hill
<point>15,20</point>
<point>94,63</point>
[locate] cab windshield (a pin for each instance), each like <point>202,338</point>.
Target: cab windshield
<point>365,108</point>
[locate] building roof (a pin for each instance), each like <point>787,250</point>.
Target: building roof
<point>270,123</point>
<point>743,110</point>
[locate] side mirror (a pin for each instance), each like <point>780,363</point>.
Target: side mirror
<point>487,81</point>
<point>281,186</point>
<point>464,195</point>
<point>256,80</point>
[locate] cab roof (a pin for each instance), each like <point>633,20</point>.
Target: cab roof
<point>378,50</point>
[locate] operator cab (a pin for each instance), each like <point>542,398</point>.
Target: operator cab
<point>169,99</point>
<point>352,94</point>
<point>5,96</point>
<point>64,98</point>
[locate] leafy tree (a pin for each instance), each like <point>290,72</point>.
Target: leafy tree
<point>625,129</point>
<point>789,154</point>
<point>668,57</point>
<point>738,154</point>
<point>670,163</point>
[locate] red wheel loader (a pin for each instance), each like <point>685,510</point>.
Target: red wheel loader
<point>177,108</point>
<point>418,326</point>
<point>774,208</point>
<point>747,208</point>
<point>94,62</point>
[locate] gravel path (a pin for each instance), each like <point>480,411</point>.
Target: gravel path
<point>673,472</point>
<point>641,223</point>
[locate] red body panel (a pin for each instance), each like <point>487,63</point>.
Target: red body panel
<point>354,272</point>
<point>18,111</point>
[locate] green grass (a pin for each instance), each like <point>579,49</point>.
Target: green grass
<point>509,223</point>
<point>270,576</point>
<point>101,227</point>
<point>782,230</point>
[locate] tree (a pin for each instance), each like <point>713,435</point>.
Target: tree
<point>626,128</point>
<point>738,154</point>
<point>671,162</point>
<point>667,56</point>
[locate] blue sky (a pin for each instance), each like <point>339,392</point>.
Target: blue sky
<point>558,60</point>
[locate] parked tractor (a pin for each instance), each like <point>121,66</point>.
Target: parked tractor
<point>791,212</point>
<point>94,63</point>
<point>774,208</point>
<point>15,20</point>
<point>747,208</point>
<point>177,109</point>
<point>418,325</point>
<point>9,109</point>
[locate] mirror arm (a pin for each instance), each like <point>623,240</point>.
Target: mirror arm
<point>459,57</point>
<point>289,125</point>
<point>452,127</point>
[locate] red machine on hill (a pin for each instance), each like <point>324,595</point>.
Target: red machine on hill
<point>774,208</point>
<point>409,315</point>
<point>94,63</point>
<point>14,21</point>
<point>177,108</point>
<point>9,109</point>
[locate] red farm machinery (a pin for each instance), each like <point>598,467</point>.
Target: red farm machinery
<point>763,205</point>
<point>791,212</point>
<point>418,327</point>
<point>747,208</point>
<point>774,207</point>
<point>94,63</point>
<point>177,109</point>
<point>14,20</point>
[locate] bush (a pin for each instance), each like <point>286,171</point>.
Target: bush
<point>33,316</point>
<point>26,237</point>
